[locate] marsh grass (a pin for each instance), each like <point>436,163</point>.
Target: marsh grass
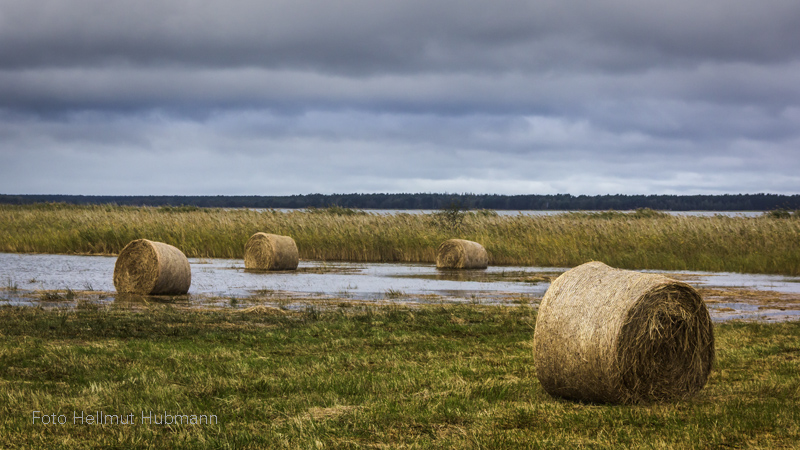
<point>484,276</point>
<point>782,214</point>
<point>11,285</point>
<point>435,376</point>
<point>57,295</point>
<point>393,294</point>
<point>641,240</point>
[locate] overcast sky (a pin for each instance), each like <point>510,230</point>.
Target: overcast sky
<point>278,97</point>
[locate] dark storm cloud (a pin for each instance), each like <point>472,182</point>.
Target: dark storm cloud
<point>509,96</point>
<point>551,57</point>
<point>379,36</point>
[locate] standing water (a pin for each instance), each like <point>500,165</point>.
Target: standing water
<point>225,282</point>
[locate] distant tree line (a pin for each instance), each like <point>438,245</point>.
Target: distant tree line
<point>727,202</point>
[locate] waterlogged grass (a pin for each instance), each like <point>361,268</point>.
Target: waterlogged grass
<point>392,377</point>
<point>642,240</point>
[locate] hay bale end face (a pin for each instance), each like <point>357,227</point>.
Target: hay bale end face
<point>152,268</point>
<point>265,251</point>
<point>461,254</point>
<point>616,336</point>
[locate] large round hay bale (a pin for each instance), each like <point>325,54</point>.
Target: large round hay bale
<point>265,251</point>
<point>461,254</point>
<point>152,268</point>
<point>616,336</point>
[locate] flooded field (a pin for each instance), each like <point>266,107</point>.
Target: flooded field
<point>67,280</point>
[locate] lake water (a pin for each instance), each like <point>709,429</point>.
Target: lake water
<point>217,281</point>
<point>543,213</point>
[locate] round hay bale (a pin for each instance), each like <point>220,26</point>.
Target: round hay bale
<point>265,251</point>
<point>152,268</point>
<point>461,254</point>
<point>616,336</point>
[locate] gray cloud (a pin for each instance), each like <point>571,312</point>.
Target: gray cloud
<point>390,36</point>
<point>259,153</point>
<point>287,97</point>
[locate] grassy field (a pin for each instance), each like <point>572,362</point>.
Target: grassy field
<point>642,240</point>
<point>392,377</point>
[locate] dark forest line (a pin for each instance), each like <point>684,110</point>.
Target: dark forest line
<point>727,202</point>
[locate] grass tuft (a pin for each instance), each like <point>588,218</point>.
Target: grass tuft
<point>11,285</point>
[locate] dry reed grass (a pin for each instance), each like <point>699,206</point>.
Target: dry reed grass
<point>716,244</point>
<point>616,336</point>
<point>152,268</point>
<point>265,251</point>
<point>461,254</point>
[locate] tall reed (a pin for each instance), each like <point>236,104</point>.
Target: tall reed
<point>636,241</point>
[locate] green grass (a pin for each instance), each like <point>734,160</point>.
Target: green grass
<point>391,377</point>
<point>642,240</point>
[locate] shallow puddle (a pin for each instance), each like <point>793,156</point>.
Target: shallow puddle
<point>227,279</point>
<point>65,280</point>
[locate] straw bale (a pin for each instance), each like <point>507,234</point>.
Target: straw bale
<point>461,254</point>
<point>616,336</point>
<point>151,268</point>
<point>265,251</point>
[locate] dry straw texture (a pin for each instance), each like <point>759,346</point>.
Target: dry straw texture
<point>616,336</point>
<point>265,251</point>
<point>461,254</point>
<point>152,268</point>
